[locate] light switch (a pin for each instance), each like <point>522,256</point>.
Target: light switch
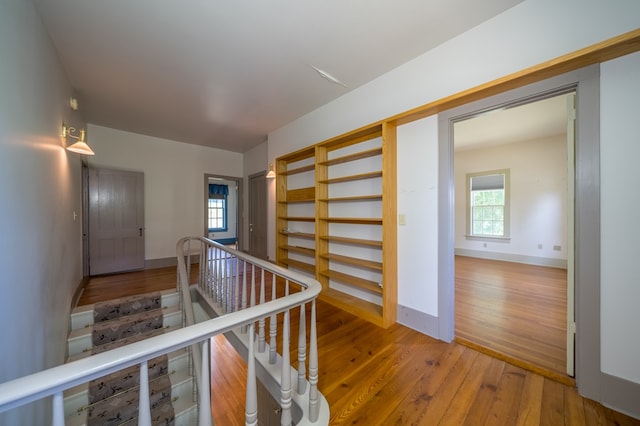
<point>402,219</point>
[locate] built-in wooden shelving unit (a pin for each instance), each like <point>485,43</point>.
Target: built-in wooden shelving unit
<point>345,188</point>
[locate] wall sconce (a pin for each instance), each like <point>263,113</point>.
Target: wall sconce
<point>271,174</point>
<point>80,146</point>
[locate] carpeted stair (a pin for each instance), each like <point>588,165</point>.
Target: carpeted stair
<point>113,399</point>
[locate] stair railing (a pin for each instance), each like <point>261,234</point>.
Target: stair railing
<point>52,383</point>
<point>230,282</point>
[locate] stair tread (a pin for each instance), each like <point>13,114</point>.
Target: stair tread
<point>175,360</point>
<point>90,307</point>
<point>176,379</point>
<point>118,343</point>
<point>83,332</point>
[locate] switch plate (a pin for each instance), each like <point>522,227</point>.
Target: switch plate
<point>402,219</point>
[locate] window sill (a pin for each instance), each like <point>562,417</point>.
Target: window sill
<point>487,238</point>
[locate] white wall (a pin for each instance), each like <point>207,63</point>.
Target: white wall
<point>418,202</point>
<point>528,34</point>
<point>620,204</point>
<point>40,244</point>
<point>538,177</point>
<point>173,181</point>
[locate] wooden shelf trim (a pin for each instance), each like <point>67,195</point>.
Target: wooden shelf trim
<point>298,264</point>
<point>353,220</point>
<point>361,308</point>
<point>298,218</point>
<point>299,235</point>
<point>297,170</point>
<point>353,157</point>
<point>357,241</point>
<point>370,175</point>
<point>297,249</point>
<point>352,280</point>
<point>353,137</point>
<point>353,261</point>
<point>354,198</point>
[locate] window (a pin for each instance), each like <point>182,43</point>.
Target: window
<point>488,212</point>
<point>217,208</point>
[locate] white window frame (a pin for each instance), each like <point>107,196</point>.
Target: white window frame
<point>507,197</point>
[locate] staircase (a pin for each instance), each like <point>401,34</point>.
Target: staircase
<point>113,399</point>
<point>135,347</point>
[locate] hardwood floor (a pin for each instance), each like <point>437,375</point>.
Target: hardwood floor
<point>397,376</point>
<point>517,311</point>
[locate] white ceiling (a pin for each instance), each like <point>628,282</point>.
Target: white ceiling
<point>529,122</point>
<point>225,73</point>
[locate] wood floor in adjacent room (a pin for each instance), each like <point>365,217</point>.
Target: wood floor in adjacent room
<point>372,376</point>
<point>518,311</point>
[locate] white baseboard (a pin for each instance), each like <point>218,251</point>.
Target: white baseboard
<point>419,321</point>
<point>516,258</point>
<point>620,395</point>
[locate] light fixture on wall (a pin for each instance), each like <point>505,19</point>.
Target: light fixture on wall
<point>80,146</point>
<point>271,174</point>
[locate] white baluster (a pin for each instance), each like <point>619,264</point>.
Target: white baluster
<point>273,325</point>
<point>261,340</point>
<point>144,408</point>
<point>243,329</point>
<point>217,279</point>
<point>205,387</point>
<point>253,285</point>
<point>285,384</point>
<point>210,289</point>
<point>302,352</point>
<point>58,409</point>
<point>314,401</point>
<point>236,291</point>
<point>251,403</point>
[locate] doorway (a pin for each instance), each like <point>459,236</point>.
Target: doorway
<point>116,221</point>
<point>222,207</point>
<point>258,215</point>
<point>585,82</point>
<point>513,184</point>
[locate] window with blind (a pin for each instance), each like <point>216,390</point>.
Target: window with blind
<point>488,198</point>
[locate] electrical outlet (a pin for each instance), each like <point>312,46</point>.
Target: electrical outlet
<point>539,246</point>
<point>557,248</point>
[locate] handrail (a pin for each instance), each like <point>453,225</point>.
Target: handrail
<point>45,383</point>
<point>54,381</point>
<point>221,269</point>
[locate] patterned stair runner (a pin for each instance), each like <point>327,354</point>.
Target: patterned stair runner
<point>113,398</point>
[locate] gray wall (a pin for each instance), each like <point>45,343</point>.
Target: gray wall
<point>40,187</point>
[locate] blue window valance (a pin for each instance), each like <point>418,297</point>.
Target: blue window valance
<point>216,190</point>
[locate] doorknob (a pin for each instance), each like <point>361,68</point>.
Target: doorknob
<point>140,232</point>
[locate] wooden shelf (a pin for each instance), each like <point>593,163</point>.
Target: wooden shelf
<point>353,220</point>
<point>301,195</point>
<point>356,241</point>
<point>299,235</point>
<point>353,198</point>
<point>351,178</point>
<point>298,218</point>
<point>375,198</point>
<point>352,280</point>
<point>361,308</point>
<point>309,267</point>
<point>297,170</point>
<point>353,261</point>
<point>297,249</point>
<point>352,157</point>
